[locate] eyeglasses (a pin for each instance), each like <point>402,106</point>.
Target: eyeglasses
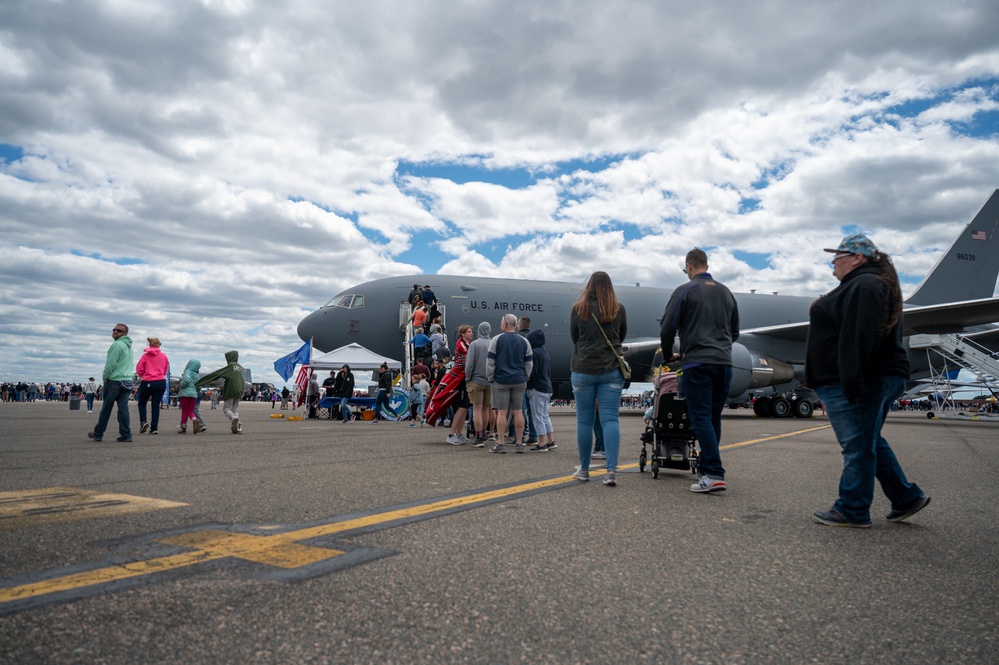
<point>839,256</point>
<point>118,330</point>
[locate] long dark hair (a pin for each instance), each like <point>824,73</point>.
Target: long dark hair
<point>887,274</point>
<point>599,288</point>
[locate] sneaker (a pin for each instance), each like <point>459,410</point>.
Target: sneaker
<point>599,454</point>
<point>498,448</point>
<point>92,437</point>
<point>122,439</point>
<point>181,429</point>
<point>455,439</point>
<point>89,411</point>
<point>239,428</point>
<point>154,432</point>
<point>412,424</point>
<point>234,426</point>
<point>610,478</point>
<point>832,518</point>
<point>143,428</point>
<point>197,427</point>
<point>538,449</point>
<point>912,509</point>
<point>552,446</point>
<point>581,475</point>
<point>530,441</point>
<point>492,436</point>
<point>479,443</point>
<point>706,484</point>
<point>521,447</point>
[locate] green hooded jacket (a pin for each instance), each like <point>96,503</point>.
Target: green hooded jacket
<point>120,363</point>
<point>231,375</point>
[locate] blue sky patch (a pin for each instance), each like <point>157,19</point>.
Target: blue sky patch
<point>10,153</point>
<point>121,261</point>
<point>748,205</point>
<point>755,260</point>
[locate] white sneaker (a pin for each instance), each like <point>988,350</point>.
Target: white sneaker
<point>456,439</point>
<point>706,484</point>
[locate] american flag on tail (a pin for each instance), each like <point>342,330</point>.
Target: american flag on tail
<point>978,235</point>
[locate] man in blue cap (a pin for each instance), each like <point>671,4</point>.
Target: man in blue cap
<point>855,362</point>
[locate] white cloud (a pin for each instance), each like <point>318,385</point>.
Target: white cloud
<point>240,158</point>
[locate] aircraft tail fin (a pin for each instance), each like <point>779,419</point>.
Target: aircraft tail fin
<point>968,270</point>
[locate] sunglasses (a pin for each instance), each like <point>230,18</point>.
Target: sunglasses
<point>118,330</point>
<point>840,256</point>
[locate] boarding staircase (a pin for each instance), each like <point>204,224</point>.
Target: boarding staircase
<point>406,327</point>
<point>957,352</point>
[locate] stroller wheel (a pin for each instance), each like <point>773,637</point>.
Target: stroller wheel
<point>655,468</point>
<point>642,461</point>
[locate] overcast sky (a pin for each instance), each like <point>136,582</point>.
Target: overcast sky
<point>210,172</point>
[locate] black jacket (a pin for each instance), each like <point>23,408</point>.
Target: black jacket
<point>344,386</point>
<point>590,352</point>
<point>707,317</point>
<point>845,344</point>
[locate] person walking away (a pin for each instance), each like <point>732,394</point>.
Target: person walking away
<point>90,391</point>
<point>384,390</point>
<point>233,385</point>
<point>457,437</point>
<point>705,314</point>
<point>344,389</point>
<point>188,393</point>
<point>477,384</point>
<point>152,369</point>
<point>508,365</point>
<point>539,392</point>
<point>597,323</point>
<point>855,362</point>
<point>312,395</point>
<point>118,385</point>
<point>285,394</point>
<point>530,434</point>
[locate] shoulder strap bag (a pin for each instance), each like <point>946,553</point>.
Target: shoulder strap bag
<point>625,367</point>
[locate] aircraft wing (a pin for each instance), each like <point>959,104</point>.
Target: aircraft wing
<point>945,318</point>
<point>951,317</point>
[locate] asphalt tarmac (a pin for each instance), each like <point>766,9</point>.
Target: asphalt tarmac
<point>316,542</point>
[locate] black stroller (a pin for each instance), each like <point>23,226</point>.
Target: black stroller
<point>669,431</point>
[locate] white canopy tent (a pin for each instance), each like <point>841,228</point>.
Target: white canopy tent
<point>355,355</point>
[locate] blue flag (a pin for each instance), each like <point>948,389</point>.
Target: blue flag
<point>285,366</point>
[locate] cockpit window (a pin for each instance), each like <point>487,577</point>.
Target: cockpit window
<point>350,301</point>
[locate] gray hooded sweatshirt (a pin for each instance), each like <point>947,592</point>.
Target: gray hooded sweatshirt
<point>475,360</point>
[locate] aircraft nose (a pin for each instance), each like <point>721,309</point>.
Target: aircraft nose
<point>311,326</point>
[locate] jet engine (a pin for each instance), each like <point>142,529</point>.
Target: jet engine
<point>751,370</point>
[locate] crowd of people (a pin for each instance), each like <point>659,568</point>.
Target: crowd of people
<point>855,362</point>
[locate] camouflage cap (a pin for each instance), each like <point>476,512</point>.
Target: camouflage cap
<point>858,243</point>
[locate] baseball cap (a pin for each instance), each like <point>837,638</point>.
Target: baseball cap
<point>857,243</point>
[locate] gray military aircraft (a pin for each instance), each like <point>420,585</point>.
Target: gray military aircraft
<point>956,296</point>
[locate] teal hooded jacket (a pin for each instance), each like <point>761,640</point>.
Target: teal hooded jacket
<point>188,382</point>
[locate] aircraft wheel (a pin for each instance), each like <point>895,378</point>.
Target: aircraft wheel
<point>761,407</point>
<point>803,408</point>
<point>781,408</point>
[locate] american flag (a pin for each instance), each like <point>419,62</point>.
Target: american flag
<point>303,382</point>
<point>978,235</point>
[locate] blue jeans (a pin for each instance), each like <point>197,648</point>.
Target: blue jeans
<point>705,388</point>
<point>90,401</point>
<point>866,454</point>
<point>115,392</point>
<point>590,389</point>
<point>345,413</point>
<point>151,390</point>
<point>380,400</point>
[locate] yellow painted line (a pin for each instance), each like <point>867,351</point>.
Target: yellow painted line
<point>281,550</point>
<point>104,575</point>
<point>51,505</point>
<point>775,437</point>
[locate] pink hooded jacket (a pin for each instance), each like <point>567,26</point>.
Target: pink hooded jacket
<point>153,365</point>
